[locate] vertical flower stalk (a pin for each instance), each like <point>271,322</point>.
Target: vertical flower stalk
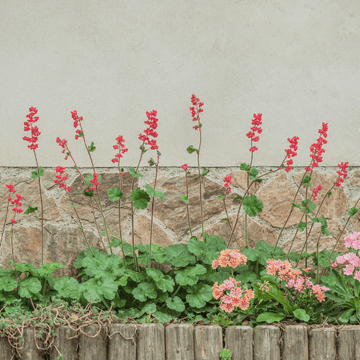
<point>196,109</point>
<point>184,167</point>
<point>11,190</point>
<point>60,178</point>
<point>120,146</point>
<point>151,162</point>
<point>35,133</point>
<point>17,210</point>
<point>65,150</point>
<point>227,183</point>
<point>316,151</point>
<point>145,138</point>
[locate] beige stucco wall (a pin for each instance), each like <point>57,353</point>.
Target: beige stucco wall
<point>297,62</point>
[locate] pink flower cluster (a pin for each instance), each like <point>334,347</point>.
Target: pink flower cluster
<point>94,181</point>
<point>62,143</point>
<point>255,122</point>
<point>150,131</point>
<point>230,258</point>
<point>316,191</point>
<point>232,295</point>
<point>184,167</point>
<point>349,262</point>
<point>342,174</point>
<point>28,126</point>
<point>196,109</point>
<point>291,152</point>
<point>60,179</point>
<point>16,202</point>
<point>294,278</point>
<point>77,124</point>
<point>227,182</point>
<point>121,147</point>
<point>316,149</point>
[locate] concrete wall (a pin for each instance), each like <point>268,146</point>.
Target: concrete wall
<point>297,62</point>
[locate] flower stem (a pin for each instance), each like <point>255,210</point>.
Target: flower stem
<point>42,212</point>
<point>187,205</point>
<point>229,223</point>
<point>121,240</point>
<point>2,234</point>
<point>198,160</point>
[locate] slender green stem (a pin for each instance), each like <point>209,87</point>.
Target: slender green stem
<point>187,205</point>
<point>229,223</point>
<point>152,210</point>
<point>120,186</point>
<point>176,291</point>
<point>42,212</point>
<point>198,160</point>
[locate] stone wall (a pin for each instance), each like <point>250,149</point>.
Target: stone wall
<point>63,239</point>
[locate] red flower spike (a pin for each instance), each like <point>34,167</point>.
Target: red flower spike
<point>342,174</point>
<point>34,130</point>
<point>60,179</point>
<point>227,182</point>
<point>316,148</point>
<point>184,167</point>
<point>152,122</point>
<point>195,110</point>
<point>255,122</point>
<point>119,146</point>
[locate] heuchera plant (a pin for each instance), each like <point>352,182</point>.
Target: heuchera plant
<point>256,285</point>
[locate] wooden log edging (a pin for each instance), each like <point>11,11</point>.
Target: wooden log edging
<point>188,342</point>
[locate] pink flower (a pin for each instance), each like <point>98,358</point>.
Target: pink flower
<point>342,173</point>
<point>184,167</point>
<point>357,275</point>
<point>227,182</point>
<point>316,190</point>
<point>13,221</point>
<point>316,148</point>
<point>255,122</point>
<point>150,131</point>
<point>120,145</point>
<point>340,260</point>
<point>349,269</point>
<point>34,130</point>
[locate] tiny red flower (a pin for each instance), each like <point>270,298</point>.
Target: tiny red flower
<point>28,126</point>
<point>184,167</point>
<point>150,131</point>
<point>195,110</point>
<point>120,145</point>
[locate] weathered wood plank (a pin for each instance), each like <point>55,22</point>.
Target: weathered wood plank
<point>240,340</point>
<point>122,342</point>
<point>151,342</point>
<point>6,351</point>
<point>349,343</point>
<point>296,343</point>
<point>208,342</point>
<point>266,343</point>
<point>66,347</point>
<point>29,350</point>
<point>322,345</point>
<point>180,342</point>
<point>92,345</point>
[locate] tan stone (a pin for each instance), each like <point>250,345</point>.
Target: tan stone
<point>239,180</point>
<point>277,197</point>
<point>335,206</point>
<point>355,179</point>
<point>355,220</point>
<point>62,245</point>
<point>142,233</point>
<point>172,211</point>
<point>255,232</point>
<point>29,189</point>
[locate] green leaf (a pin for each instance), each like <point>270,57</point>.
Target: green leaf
<point>270,317</point>
<point>151,191</point>
<point>29,286</point>
<point>302,226</point>
<point>91,148</point>
<point>140,198</point>
<point>306,181</point>
<point>67,287</point>
<point>345,316</point>
<point>48,269</point>
<point>301,315</point>
<point>204,172</point>
<point>95,290</point>
<point>175,304</point>
<point>225,219</point>
<point>311,206</point>
<point>89,192</point>
<point>184,199</point>
<point>30,210</point>
<point>178,255</point>
<point>252,205</point>
<point>238,197</point>
<point>166,284</point>
<point>144,291</point>
<point>90,177</point>
<point>152,162</point>
<point>199,295</point>
<point>244,167</point>
<point>353,211</point>
<point>215,242</point>
<point>329,193</point>
<point>37,173</point>
<point>191,149</point>
<point>134,174</point>
<point>190,275</point>
<point>73,205</point>
<point>115,194</point>
<point>251,254</point>
<point>253,173</point>
<point>294,256</point>
<point>314,219</point>
<point>8,283</point>
<point>164,316</point>
<point>296,205</point>
<point>220,197</point>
